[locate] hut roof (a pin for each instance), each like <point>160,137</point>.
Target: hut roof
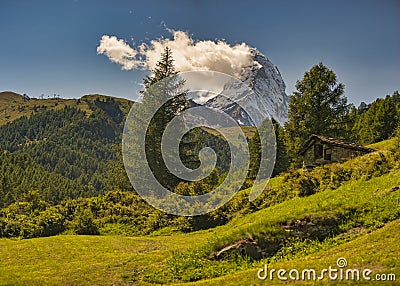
<point>334,142</point>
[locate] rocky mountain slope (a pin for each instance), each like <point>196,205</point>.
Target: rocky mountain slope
<point>267,99</point>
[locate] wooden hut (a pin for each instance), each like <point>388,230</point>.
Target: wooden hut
<point>319,150</point>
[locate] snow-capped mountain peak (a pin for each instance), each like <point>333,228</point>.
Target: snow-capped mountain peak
<point>267,99</point>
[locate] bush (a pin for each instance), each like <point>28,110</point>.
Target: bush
<point>84,223</point>
<point>306,185</point>
<point>51,221</point>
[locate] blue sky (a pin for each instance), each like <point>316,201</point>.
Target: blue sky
<point>49,47</point>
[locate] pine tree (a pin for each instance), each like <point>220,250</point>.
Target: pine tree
<point>162,85</point>
<point>281,160</point>
<point>163,69</point>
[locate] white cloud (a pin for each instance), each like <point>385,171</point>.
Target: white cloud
<point>189,55</point>
<point>118,52</point>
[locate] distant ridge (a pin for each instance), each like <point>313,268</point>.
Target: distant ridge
<point>9,95</point>
<point>13,105</point>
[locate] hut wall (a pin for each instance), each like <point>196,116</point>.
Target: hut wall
<point>309,159</point>
<point>320,152</point>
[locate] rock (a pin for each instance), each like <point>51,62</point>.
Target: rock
<point>245,247</point>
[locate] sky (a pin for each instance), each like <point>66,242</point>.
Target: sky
<point>52,47</point>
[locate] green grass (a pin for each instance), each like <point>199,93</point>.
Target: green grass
<point>365,212</point>
<point>105,260</point>
<point>361,194</point>
<point>366,205</point>
<point>384,145</point>
<point>377,251</point>
<point>85,260</point>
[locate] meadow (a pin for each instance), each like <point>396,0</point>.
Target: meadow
<point>359,221</point>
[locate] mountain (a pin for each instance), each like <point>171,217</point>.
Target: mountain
<point>267,99</point>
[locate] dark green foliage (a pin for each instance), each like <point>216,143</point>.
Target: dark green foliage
<point>255,156</point>
<point>197,139</point>
<point>281,159</point>
<point>51,222</point>
<point>163,69</point>
<point>317,107</point>
<point>83,222</point>
<point>111,108</point>
<point>62,153</point>
<point>19,175</point>
<point>25,131</point>
<point>32,217</point>
<point>164,89</point>
<point>306,185</point>
<point>116,177</point>
<point>378,121</point>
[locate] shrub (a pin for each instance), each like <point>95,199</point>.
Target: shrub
<point>84,223</point>
<point>51,221</point>
<point>307,185</point>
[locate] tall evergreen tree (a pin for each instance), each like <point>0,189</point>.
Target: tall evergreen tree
<point>162,87</point>
<point>281,160</point>
<point>318,106</point>
<point>163,69</point>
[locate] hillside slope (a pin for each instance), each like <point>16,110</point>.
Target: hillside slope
<point>67,139</point>
<point>79,139</point>
<point>14,106</point>
<point>377,251</point>
<point>358,220</point>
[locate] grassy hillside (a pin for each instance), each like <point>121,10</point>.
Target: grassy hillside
<point>13,105</point>
<point>358,220</point>
<point>248,131</point>
<point>377,251</point>
<point>91,260</point>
